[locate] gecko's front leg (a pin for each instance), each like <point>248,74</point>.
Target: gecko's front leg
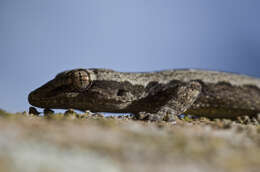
<point>182,96</point>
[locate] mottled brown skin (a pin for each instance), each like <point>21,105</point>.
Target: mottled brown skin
<point>152,95</point>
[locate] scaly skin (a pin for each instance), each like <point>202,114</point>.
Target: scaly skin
<point>152,95</point>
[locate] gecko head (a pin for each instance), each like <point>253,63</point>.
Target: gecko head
<point>78,89</point>
<point>60,91</point>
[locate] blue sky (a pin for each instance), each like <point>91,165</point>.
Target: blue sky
<point>41,38</point>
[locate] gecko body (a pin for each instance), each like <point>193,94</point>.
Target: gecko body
<point>152,95</point>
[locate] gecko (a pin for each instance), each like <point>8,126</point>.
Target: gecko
<point>155,96</point>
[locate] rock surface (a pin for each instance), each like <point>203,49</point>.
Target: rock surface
<point>84,142</point>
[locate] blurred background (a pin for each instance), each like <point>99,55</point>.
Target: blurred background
<point>39,39</point>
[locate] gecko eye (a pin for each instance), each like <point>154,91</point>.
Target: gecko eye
<point>80,79</point>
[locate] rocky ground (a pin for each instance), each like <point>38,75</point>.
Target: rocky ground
<point>84,142</point>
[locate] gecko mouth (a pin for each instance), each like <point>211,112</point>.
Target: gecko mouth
<point>47,92</point>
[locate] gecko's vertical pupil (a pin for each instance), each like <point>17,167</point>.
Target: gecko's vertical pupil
<point>121,92</point>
